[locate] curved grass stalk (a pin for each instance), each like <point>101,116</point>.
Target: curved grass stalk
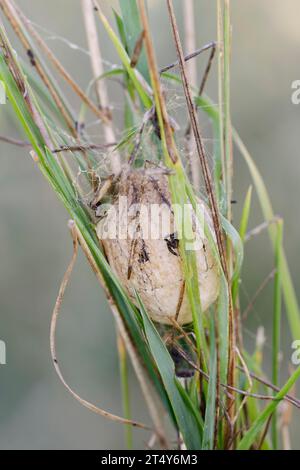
<point>53,327</point>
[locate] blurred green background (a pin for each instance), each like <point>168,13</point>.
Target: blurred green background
<point>35,410</point>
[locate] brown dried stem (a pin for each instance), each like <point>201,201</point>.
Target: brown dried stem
<point>158,94</point>
<point>53,326</point>
<point>60,68</point>
<point>13,18</point>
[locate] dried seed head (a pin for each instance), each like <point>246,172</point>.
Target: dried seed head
<point>140,239</point>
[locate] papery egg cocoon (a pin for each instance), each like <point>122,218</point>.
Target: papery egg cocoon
<point>139,237</point>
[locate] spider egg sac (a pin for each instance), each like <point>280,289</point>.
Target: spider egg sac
<point>139,238</point>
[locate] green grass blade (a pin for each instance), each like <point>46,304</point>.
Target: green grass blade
<point>237,245</point>
<point>245,214</point>
<point>242,232</point>
<point>188,419</point>
<point>125,389</point>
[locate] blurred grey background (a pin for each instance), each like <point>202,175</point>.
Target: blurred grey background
<point>35,410</point>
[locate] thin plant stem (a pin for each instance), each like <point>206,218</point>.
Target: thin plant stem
<point>260,228</point>
<point>62,148</point>
<point>266,383</point>
<point>212,46</point>
<point>276,325</point>
<point>125,388</point>
<point>261,287</point>
<point>12,141</point>
<point>188,57</point>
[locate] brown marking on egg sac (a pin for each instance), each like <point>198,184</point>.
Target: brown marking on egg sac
<point>143,256</point>
<point>172,244</point>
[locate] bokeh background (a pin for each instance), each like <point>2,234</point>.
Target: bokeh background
<point>35,410</point>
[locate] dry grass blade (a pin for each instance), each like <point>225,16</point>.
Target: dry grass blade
<point>54,319</point>
<point>137,50</point>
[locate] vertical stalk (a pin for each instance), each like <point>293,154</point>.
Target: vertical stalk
<point>125,389</point>
<point>224,40</point>
<point>227,118</point>
<point>109,136</point>
<point>188,11</point>
<point>215,217</point>
<point>97,68</point>
<point>220,85</point>
<point>190,42</point>
<point>276,324</point>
